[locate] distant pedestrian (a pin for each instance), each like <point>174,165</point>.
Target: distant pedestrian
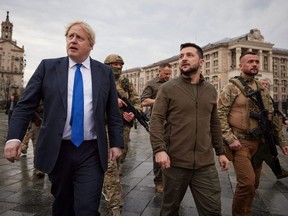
<point>184,130</point>
<point>10,105</point>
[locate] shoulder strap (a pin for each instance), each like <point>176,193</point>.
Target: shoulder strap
<point>242,85</point>
<point>248,89</point>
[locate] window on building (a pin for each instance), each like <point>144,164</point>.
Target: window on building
<point>207,57</point>
<point>215,78</point>
<point>275,89</point>
<point>215,55</point>
<point>283,89</point>
<point>275,97</point>
<point>207,64</point>
<point>283,68</point>
<point>208,72</point>
<point>215,63</point>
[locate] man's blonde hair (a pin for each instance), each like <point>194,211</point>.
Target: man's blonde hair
<point>87,28</point>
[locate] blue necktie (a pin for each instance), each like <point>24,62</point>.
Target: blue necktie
<point>77,115</point>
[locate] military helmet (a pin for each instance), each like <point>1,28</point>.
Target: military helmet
<point>112,58</point>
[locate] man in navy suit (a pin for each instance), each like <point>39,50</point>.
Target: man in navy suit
<point>76,173</point>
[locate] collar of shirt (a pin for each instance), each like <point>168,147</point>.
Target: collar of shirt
<point>86,63</point>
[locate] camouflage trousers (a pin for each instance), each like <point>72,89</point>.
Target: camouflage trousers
<point>126,136</point>
<point>112,188</point>
<point>32,133</point>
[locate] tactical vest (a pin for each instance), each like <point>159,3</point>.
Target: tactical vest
<point>126,86</point>
<point>252,107</point>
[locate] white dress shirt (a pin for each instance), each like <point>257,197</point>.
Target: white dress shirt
<point>89,124</point>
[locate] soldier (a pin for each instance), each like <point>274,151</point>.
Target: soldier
<point>125,89</point>
<point>147,100</point>
<point>238,126</point>
<point>112,189</point>
<point>263,153</point>
<point>32,133</point>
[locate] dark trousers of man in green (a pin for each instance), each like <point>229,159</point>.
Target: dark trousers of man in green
<point>203,183</point>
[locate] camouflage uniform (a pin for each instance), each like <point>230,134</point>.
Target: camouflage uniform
<point>264,154</point>
<point>234,108</point>
<point>32,133</point>
<point>112,189</point>
<point>126,89</point>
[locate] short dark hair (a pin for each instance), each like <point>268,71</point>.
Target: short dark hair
<point>199,49</point>
<point>247,53</point>
<point>163,65</point>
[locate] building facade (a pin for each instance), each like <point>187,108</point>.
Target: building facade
<point>222,63</point>
<point>12,62</point>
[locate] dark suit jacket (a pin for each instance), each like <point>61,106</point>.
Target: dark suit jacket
<point>49,83</point>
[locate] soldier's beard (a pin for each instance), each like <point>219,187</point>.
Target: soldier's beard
<point>192,70</point>
<point>252,72</point>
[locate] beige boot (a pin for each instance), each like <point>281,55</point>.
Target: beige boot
<point>116,211</point>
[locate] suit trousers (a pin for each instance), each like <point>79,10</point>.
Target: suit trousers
<point>77,180</point>
<point>247,178</point>
<point>204,185</point>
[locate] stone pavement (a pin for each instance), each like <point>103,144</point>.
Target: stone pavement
<point>21,193</point>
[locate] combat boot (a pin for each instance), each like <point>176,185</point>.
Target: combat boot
<point>159,187</point>
<point>284,174</point>
<point>116,211</point>
<point>39,174</point>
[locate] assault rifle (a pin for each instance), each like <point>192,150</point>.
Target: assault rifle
<point>140,116</point>
<point>266,129</point>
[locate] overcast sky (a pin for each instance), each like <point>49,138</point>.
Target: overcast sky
<point>141,31</point>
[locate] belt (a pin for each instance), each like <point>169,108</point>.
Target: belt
<point>85,141</point>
